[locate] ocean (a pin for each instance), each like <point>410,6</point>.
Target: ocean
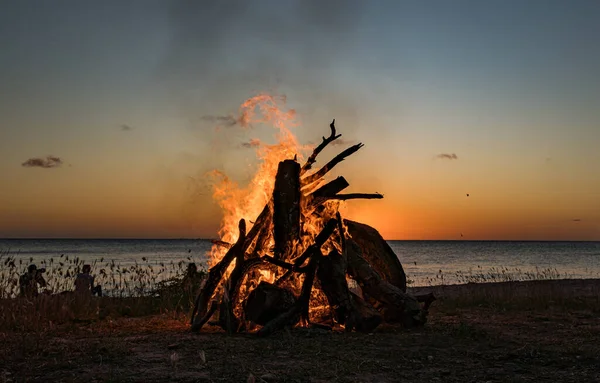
<point>425,262</point>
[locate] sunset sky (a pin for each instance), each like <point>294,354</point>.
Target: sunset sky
<point>497,99</point>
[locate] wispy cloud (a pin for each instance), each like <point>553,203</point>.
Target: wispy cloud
<point>447,156</point>
<point>45,163</point>
<point>221,120</point>
<point>253,143</point>
<point>126,128</point>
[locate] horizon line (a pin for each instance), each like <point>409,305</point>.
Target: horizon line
<point>211,239</point>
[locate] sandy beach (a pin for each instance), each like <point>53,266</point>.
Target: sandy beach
<point>513,331</point>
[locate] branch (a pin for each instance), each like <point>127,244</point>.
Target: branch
<point>331,164</point>
<point>218,242</point>
<point>278,262</point>
<point>321,238</point>
<point>331,188</point>
<point>338,216</point>
<point>300,309</point>
<point>214,277</point>
<point>213,308</point>
<point>326,141</point>
<point>345,197</point>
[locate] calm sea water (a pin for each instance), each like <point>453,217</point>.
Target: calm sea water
<point>425,262</point>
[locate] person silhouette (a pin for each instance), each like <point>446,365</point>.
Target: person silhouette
<point>84,283</point>
<point>29,281</point>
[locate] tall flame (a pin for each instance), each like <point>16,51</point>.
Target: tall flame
<point>247,202</point>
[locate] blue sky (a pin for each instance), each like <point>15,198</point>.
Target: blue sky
<point>512,87</point>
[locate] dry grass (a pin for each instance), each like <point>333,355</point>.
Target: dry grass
<point>463,342</point>
<point>495,274</point>
<point>134,291</point>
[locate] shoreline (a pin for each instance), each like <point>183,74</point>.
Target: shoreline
<point>584,286</point>
<point>543,331</point>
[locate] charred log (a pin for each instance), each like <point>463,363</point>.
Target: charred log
<point>266,302</point>
<point>215,275</point>
<point>378,254</point>
<point>327,191</point>
<point>348,308</point>
<point>213,309</point>
<point>300,309</point>
<point>405,307</point>
<point>286,208</point>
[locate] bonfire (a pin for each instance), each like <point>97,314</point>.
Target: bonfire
<point>300,263</point>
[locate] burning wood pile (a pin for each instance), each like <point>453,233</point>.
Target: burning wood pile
<point>293,267</point>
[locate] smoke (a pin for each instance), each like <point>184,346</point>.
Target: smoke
<point>221,52</point>
<point>126,128</point>
<point>446,156</point>
<point>45,163</point>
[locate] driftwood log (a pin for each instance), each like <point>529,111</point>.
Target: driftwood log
<point>378,253</point>
<point>407,309</point>
<point>349,309</point>
<point>266,302</point>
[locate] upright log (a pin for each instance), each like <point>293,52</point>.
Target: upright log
<point>286,208</point>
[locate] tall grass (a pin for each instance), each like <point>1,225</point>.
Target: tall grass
<point>135,290</point>
<point>139,279</point>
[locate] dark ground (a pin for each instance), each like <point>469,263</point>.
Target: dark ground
<point>531,332</point>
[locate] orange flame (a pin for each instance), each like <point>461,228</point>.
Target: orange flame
<point>247,202</point>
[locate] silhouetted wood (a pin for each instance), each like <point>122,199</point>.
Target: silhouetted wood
<point>286,208</point>
<point>327,191</point>
<point>326,141</point>
<point>272,244</point>
<point>224,244</point>
<point>263,221</point>
<point>215,275</point>
<point>238,275</point>
<point>320,240</point>
<point>213,308</point>
<point>309,179</point>
<point>227,319</point>
<point>300,309</point>
<point>266,302</point>
<point>348,308</point>
<point>378,253</point>
<point>407,308</point>
<point>346,197</point>
<point>279,263</point>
